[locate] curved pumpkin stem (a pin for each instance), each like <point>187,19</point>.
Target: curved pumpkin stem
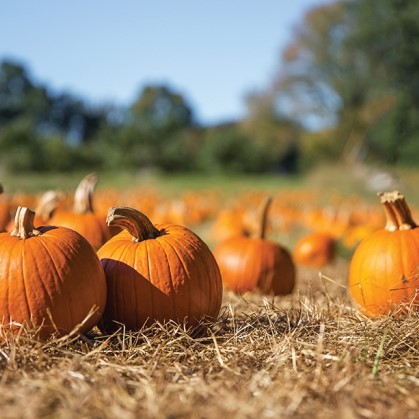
<point>135,222</point>
<point>397,211</point>
<point>83,197</point>
<point>24,227</point>
<point>266,204</point>
<point>1,188</point>
<point>47,204</point>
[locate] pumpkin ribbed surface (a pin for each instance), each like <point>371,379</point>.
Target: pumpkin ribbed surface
<point>247,264</point>
<point>52,277</point>
<point>89,225</point>
<point>250,263</point>
<point>384,270</point>
<point>82,218</point>
<point>170,276</point>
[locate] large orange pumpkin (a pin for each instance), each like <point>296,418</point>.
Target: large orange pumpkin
<point>314,249</point>
<point>82,218</point>
<point>384,270</point>
<point>157,273</point>
<point>50,278</point>
<point>250,263</point>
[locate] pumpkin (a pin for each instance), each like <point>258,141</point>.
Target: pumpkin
<point>157,272</point>
<point>250,263</point>
<point>50,278</point>
<point>314,249</point>
<point>4,210</point>
<point>45,208</point>
<point>82,218</point>
<point>384,269</point>
<point>230,223</point>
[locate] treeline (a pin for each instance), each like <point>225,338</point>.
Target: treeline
<point>346,87</point>
<point>354,64</point>
<point>45,131</point>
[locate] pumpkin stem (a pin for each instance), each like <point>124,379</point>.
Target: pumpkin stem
<point>397,211</point>
<point>1,188</point>
<point>83,197</point>
<point>24,227</point>
<point>135,222</point>
<point>264,217</point>
<point>47,204</point>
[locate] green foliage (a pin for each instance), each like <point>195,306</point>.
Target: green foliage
<point>159,111</point>
<point>180,152</point>
<point>23,100</point>
<point>353,65</point>
<point>275,136</point>
<point>319,147</point>
<point>227,149</point>
<point>20,148</point>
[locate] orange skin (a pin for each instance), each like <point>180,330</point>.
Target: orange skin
<point>250,263</point>
<point>247,264</point>
<point>90,225</point>
<point>165,273</point>
<point>82,218</point>
<point>51,273</point>
<point>315,250</point>
<point>384,271</point>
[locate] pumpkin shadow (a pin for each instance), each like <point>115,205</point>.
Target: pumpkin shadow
<point>134,303</point>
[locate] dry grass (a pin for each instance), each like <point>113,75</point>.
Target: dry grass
<point>308,355</point>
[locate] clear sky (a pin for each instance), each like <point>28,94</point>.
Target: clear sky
<point>213,52</point>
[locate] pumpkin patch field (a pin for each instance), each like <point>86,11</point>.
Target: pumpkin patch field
<point>149,297</point>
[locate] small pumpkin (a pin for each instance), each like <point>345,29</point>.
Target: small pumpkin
<point>384,269</point>
<point>50,278</point>
<point>46,206</point>
<point>315,249</point>
<point>250,263</point>
<point>157,273</point>
<point>82,218</point>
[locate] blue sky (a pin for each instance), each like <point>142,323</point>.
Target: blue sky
<point>212,52</point>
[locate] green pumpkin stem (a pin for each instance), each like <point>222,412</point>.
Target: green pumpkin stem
<point>264,217</point>
<point>83,197</point>
<point>397,211</point>
<point>24,227</point>
<point>135,222</point>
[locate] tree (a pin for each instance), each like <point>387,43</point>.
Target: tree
<point>351,65</point>
<point>48,114</point>
<point>226,148</point>
<point>272,132</point>
<point>160,110</point>
<point>73,118</point>
<point>157,118</point>
<point>20,97</point>
<point>405,119</point>
<point>20,148</point>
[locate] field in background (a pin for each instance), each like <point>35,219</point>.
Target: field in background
<point>347,180</point>
<point>308,355</point>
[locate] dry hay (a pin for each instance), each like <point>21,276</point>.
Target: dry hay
<point>308,355</point>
